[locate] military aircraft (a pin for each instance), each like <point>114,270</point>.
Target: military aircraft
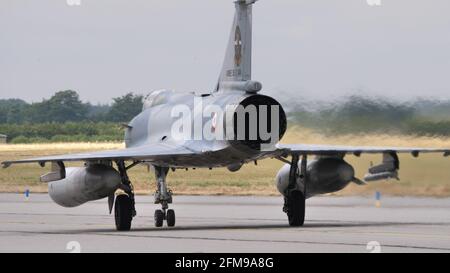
<point>228,127</point>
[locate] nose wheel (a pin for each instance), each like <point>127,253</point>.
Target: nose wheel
<point>170,218</point>
<point>160,216</point>
<point>163,196</point>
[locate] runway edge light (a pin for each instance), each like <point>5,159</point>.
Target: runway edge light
<point>378,199</point>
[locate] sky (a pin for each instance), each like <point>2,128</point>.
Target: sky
<point>315,49</point>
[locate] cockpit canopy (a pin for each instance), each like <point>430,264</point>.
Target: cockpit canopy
<point>157,97</point>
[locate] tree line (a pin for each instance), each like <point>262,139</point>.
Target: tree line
<point>66,106</point>
<point>65,118</point>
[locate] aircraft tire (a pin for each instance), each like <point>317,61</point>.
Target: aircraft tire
<point>159,218</point>
<point>123,212</point>
<point>296,209</point>
<point>170,217</point>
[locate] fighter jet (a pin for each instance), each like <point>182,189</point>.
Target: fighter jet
<point>230,126</point>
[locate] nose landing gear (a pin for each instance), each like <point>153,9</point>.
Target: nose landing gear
<point>163,196</point>
<point>160,216</point>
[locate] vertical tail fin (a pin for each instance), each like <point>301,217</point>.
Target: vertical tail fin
<point>237,66</point>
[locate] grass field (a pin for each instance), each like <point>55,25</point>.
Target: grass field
<point>428,175</point>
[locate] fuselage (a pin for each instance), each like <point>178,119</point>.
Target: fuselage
<point>206,114</point>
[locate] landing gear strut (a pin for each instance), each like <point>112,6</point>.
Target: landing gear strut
<point>163,196</point>
<point>124,208</point>
<point>294,200</point>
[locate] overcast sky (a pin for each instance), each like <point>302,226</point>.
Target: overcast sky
<point>310,48</point>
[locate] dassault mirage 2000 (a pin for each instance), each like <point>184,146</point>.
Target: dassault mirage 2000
<point>232,125</point>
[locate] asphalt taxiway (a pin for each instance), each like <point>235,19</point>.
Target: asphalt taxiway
<point>229,224</point>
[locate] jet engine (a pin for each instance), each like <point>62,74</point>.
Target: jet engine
<point>257,121</point>
<point>84,184</point>
<point>324,175</point>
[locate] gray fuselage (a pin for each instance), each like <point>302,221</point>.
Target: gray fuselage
<point>155,125</point>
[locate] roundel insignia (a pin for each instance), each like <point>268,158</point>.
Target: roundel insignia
<point>237,46</point>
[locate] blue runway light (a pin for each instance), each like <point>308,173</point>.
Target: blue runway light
<point>27,193</point>
<point>377,199</point>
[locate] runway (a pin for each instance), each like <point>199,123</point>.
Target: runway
<point>229,224</point>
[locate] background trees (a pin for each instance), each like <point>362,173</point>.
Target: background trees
<point>125,108</point>
<point>66,106</point>
<point>64,117</point>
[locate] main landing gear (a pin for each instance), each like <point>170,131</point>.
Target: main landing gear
<point>163,196</point>
<point>124,209</point>
<point>294,200</point>
<point>124,204</point>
